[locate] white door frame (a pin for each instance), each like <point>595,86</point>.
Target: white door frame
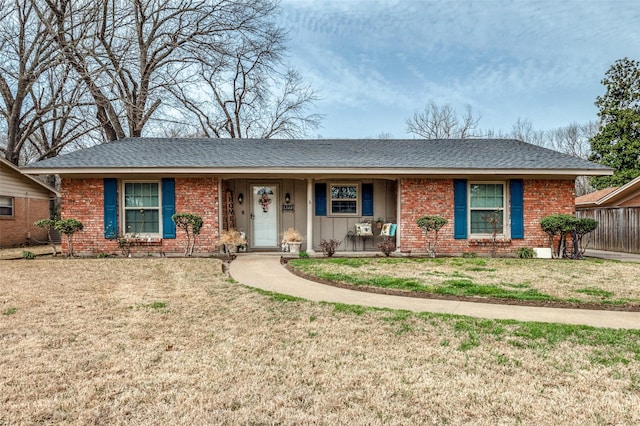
<point>257,210</point>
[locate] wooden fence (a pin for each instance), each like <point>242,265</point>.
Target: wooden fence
<point>618,228</point>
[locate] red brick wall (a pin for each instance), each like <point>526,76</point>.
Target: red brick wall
<point>19,229</point>
<point>83,199</point>
<point>421,197</point>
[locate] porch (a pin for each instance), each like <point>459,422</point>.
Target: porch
<point>319,209</point>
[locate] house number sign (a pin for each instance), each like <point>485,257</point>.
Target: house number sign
<point>288,207</point>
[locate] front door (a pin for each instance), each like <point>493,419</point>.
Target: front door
<point>264,215</point>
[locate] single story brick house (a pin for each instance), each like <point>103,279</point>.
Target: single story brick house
<point>323,188</point>
<point>23,200</point>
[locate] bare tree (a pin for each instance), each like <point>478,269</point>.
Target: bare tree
<point>575,139</point>
<point>68,125</point>
<point>135,56</point>
<point>523,130</point>
<point>26,53</point>
<point>247,91</point>
<point>442,122</point>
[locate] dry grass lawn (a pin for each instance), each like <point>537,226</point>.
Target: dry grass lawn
<point>172,341</point>
<point>591,281</point>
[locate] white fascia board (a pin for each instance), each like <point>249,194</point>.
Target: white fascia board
<point>316,171</point>
<point>629,186</point>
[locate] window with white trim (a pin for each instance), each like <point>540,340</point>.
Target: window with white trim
<point>142,207</point>
<point>6,206</point>
<point>344,199</point>
<point>485,199</point>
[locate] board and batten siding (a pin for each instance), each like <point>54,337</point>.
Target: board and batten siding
<point>618,228</point>
<point>337,228</point>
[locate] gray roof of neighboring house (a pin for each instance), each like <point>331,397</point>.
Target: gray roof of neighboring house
<point>179,153</point>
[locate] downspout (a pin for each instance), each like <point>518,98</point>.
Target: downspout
<point>28,224</point>
<point>220,218</point>
<point>398,213</point>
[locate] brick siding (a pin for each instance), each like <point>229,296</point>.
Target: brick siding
<point>19,229</point>
<point>83,199</point>
<point>421,197</point>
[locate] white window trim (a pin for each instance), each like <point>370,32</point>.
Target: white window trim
<point>13,207</point>
<point>506,220</point>
<point>123,209</point>
<point>330,200</point>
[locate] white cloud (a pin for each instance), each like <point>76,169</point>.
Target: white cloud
<point>542,58</point>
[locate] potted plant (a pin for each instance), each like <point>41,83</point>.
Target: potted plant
<point>379,222</point>
<point>230,241</point>
<point>291,240</point>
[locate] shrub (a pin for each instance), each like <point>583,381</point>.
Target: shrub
<point>494,221</point>
<point>563,225</point>
<point>191,224</point>
<point>428,224</point>
<point>387,246</point>
<point>47,224</point>
<point>558,224</point>
<point>329,247</point>
<point>28,255</point>
<point>526,253</point>
<point>69,227</point>
<point>583,227</point>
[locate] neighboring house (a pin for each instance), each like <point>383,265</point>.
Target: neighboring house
<point>617,211</point>
<point>320,187</point>
<point>627,195</point>
<point>23,200</point>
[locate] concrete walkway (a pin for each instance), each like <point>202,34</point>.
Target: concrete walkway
<point>613,255</point>
<point>265,272</point>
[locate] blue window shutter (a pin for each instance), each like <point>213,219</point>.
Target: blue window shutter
<point>367,199</point>
<point>321,199</point>
<point>460,209</point>
<point>517,208</point>
<point>168,207</point>
<point>110,208</point>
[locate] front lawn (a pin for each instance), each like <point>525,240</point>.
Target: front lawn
<point>174,341</point>
<point>590,281</point>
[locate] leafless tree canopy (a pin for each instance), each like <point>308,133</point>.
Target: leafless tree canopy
<point>72,70</point>
<point>442,122</point>
<point>573,139</point>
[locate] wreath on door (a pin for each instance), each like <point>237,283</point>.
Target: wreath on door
<point>265,199</point>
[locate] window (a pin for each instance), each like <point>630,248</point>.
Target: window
<point>486,199</point>
<point>6,206</point>
<point>142,207</point>
<point>344,199</point>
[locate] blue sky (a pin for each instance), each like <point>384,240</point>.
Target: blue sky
<point>374,63</point>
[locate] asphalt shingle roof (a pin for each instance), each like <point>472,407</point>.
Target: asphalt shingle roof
<point>322,153</point>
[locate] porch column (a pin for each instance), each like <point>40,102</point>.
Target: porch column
<point>398,212</point>
<point>310,216</point>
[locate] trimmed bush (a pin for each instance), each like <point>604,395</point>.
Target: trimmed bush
<point>428,224</point>
<point>191,224</point>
